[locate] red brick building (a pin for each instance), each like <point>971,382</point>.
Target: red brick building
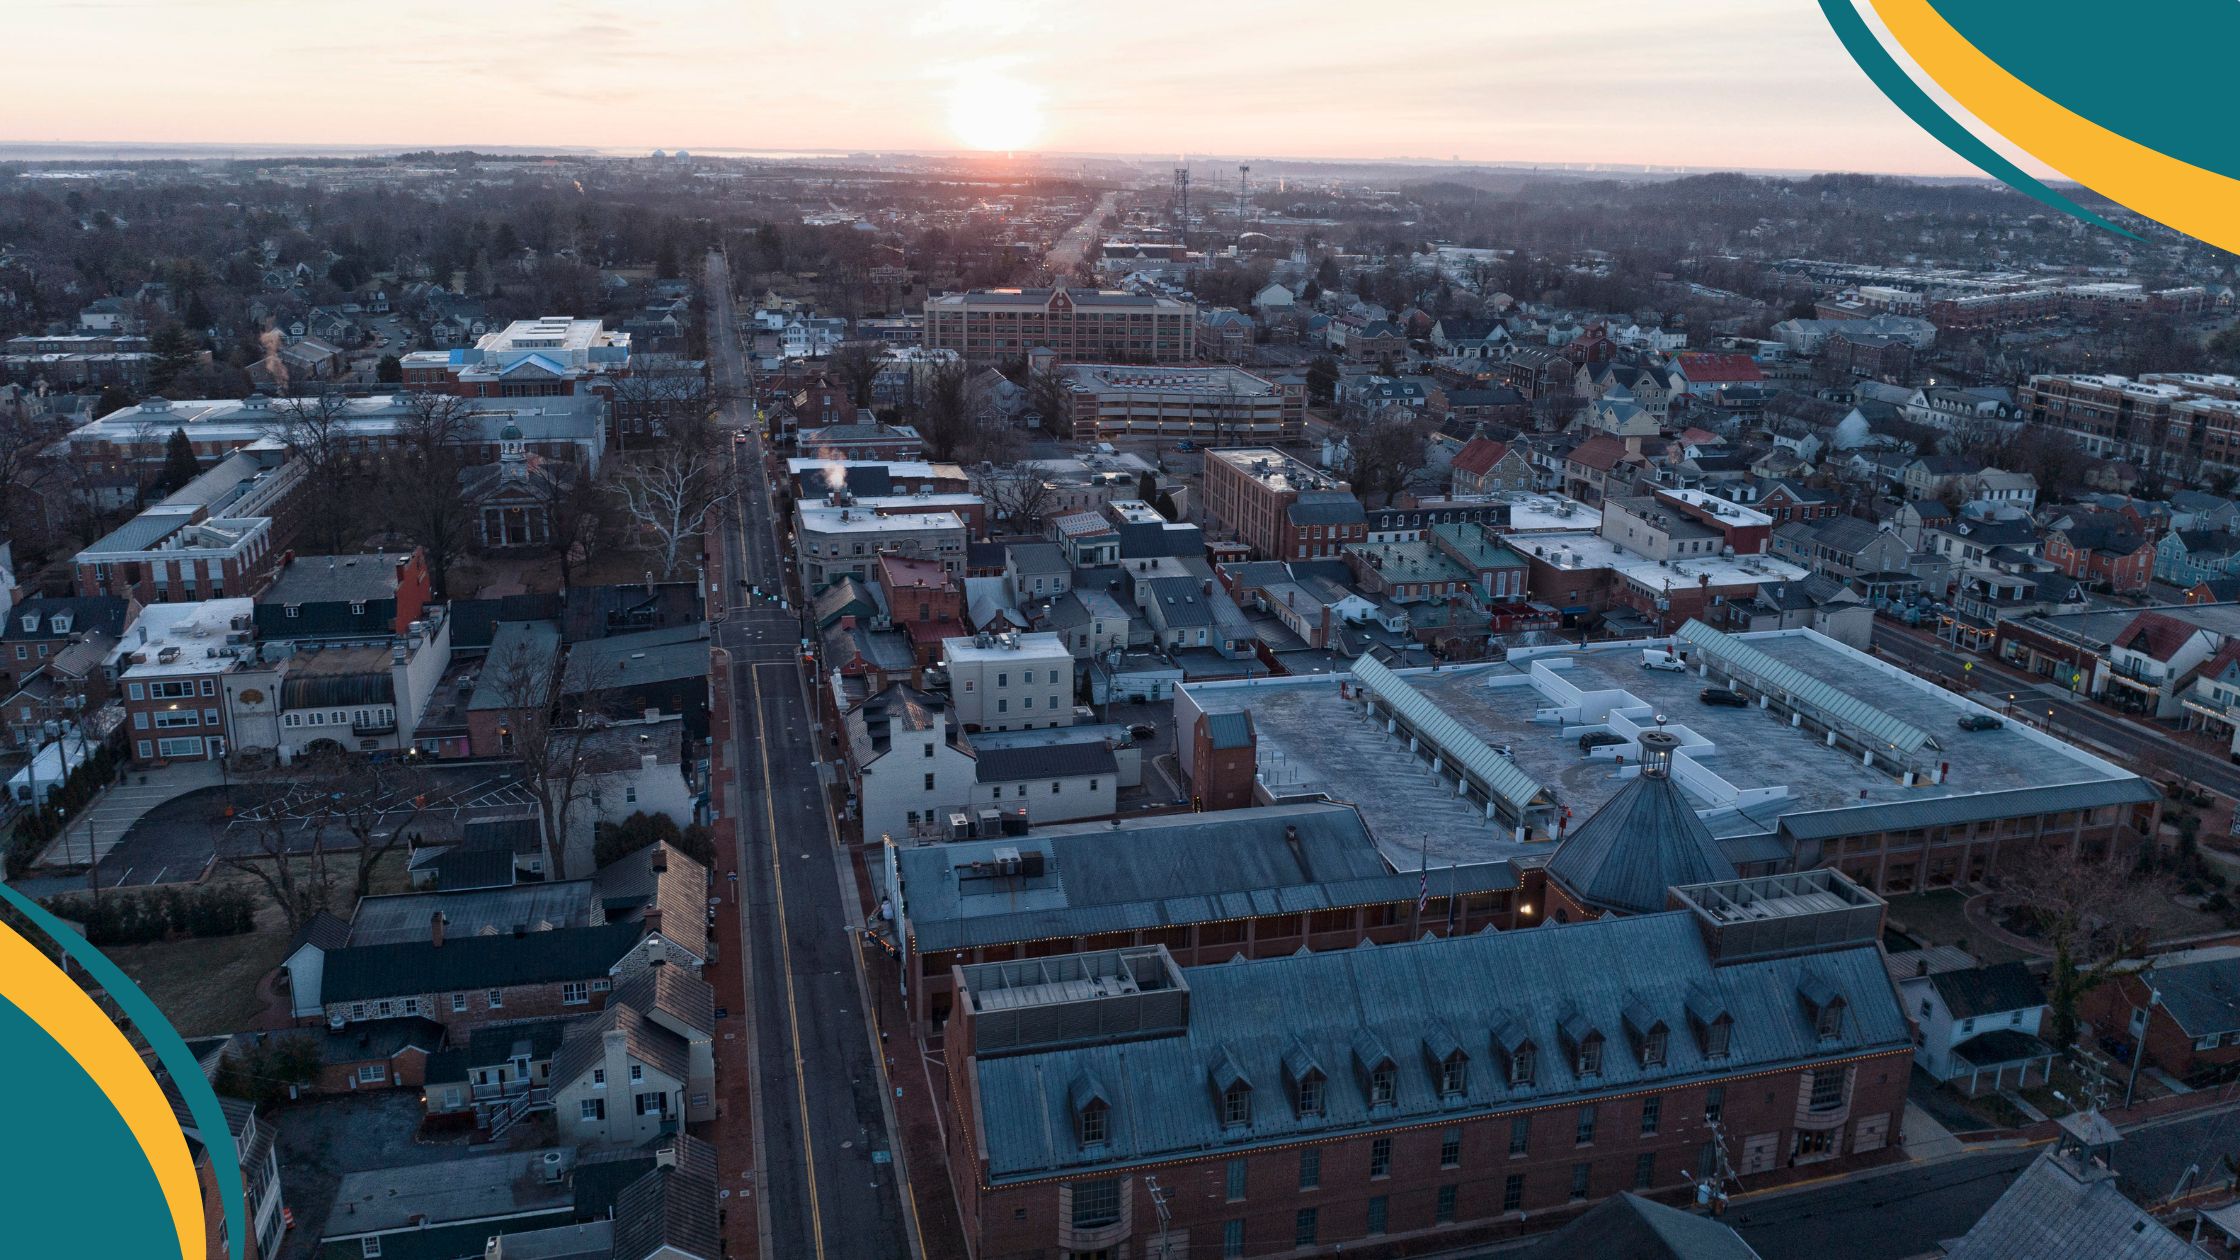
<point>2102,553</point>
<point>1465,1089</point>
<point>1279,506</point>
<point>2184,1009</point>
<point>1226,759</point>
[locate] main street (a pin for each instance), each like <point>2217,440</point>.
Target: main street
<point>825,1183</point>
<point>2152,752</point>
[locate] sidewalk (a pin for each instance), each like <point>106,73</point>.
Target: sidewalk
<point>124,803</point>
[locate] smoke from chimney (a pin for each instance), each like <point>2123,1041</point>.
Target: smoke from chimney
<point>274,365</point>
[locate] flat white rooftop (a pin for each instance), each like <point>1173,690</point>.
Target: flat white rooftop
<point>862,520</point>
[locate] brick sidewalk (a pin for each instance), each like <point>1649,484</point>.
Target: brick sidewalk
<point>732,1133</point>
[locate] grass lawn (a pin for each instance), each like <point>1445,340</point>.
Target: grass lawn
<point>1938,917</point>
<point>204,985</point>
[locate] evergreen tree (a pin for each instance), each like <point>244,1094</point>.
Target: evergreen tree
<point>390,370</point>
<point>174,357</point>
<point>179,464</point>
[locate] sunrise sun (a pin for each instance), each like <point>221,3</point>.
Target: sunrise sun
<point>995,113</point>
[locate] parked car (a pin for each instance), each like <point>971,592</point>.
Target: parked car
<point>1599,739</point>
<point>1142,730</point>
<point>1658,658</point>
<point>1186,445</point>
<point>1980,722</point>
<point>1725,696</point>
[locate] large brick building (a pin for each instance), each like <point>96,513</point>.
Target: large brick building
<point>1279,506</point>
<point>1215,405</point>
<point>1078,325</point>
<point>1472,1079</point>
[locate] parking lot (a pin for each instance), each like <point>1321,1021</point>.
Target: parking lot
<point>176,840</point>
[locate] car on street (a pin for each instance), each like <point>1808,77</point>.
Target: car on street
<point>1980,722</point>
<point>1142,730</point>
<point>1725,696</point>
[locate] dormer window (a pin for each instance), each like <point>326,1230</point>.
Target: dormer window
<point>1310,1095</point>
<point>1454,1075</point>
<point>1236,1106</point>
<point>1717,1035</point>
<point>1092,1110</point>
<point>1383,1083</point>
<point>1653,1047</point>
<point>30,622</point>
<point>1588,1060</point>
<point>294,610</point>
<point>1095,1124</point>
<point>1823,1005</point>
<point>1828,1021</point>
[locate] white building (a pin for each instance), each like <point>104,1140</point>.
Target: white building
<point>1979,1025</point>
<point>909,775</point>
<point>1049,783</point>
<point>833,541</point>
<point>1005,682</point>
<point>629,768</point>
<point>294,698</point>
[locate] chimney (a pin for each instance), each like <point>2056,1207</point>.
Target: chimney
<point>435,929</point>
<point>1921,966</point>
<point>848,622</point>
<point>660,858</point>
<point>653,921</point>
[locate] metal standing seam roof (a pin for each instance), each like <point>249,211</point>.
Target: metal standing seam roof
<point>1343,1006</point>
<point>1826,702</point>
<point>1515,788</point>
<point>1944,811</point>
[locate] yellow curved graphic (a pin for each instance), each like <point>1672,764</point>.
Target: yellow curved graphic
<point>2179,194</point>
<point>40,989</point>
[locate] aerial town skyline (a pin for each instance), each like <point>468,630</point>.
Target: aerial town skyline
<point>1664,87</point>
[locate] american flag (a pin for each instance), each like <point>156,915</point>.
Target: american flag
<point>1423,889</point>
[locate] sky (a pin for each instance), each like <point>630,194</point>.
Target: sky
<point>1697,83</point>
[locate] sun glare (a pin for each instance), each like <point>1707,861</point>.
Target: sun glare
<point>995,113</point>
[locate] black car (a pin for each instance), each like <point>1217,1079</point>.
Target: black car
<point>1726,696</point>
<point>1598,739</point>
<point>1980,722</point>
<point>1142,730</point>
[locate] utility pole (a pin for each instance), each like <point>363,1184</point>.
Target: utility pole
<point>1182,203</point>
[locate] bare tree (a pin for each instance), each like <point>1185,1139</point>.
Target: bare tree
<point>664,404</point>
<point>362,798</point>
<point>856,364</point>
<point>421,497</point>
<point>269,826</point>
<point>945,409</point>
<point>543,729</point>
<point>1388,458</point>
<point>315,427</point>
<point>2093,908</point>
<point>575,518</point>
<point>1018,495</point>
<point>669,497</point>
<point>1049,396</point>
<point>20,441</point>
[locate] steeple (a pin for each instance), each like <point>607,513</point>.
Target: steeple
<point>1641,843</point>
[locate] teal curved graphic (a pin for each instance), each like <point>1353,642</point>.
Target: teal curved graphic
<point>77,1181</point>
<point>1917,105</point>
<point>95,1198</point>
<point>2163,81</point>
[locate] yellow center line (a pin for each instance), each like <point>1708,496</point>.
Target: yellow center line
<point>785,948</point>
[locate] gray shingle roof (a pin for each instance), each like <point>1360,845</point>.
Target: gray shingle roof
<point>2057,1211</point>
<point>1643,841</point>
<point>649,1043</point>
<point>2204,996</point>
<point>1383,997</point>
<point>1629,1227</point>
<point>1325,507</point>
<point>1047,761</point>
<point>668,1207</point>
<point>1978,991</point>
<point>1943,811</point>
<point>361,972</point>
<point>1182,868</point>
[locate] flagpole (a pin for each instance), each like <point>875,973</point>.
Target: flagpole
<point>1423,884</point>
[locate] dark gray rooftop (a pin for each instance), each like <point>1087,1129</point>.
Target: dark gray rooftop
<point>1343,1012</point>
<point>1182,868</point>
<point>2061,1209</point>
<point>1642,842</point>
<point>1049,761</point>
<point>331,579</point>
<point>1629,1227</point>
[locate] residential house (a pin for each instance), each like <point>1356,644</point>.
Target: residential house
<point>2149,662</point>
<point>2188,557</point>
<point>1979,1026</point>
<point>2099,549</point>
<point>906,768</point>
<point>2179,1012</point>
<point>642,1066</point>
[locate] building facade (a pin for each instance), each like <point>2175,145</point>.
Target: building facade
<point>1078,325</point>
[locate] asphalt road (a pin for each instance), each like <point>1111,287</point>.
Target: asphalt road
<point>827,1183</point>
<point>2151,752</point>
<point>1076,240</point>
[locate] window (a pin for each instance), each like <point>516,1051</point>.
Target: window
<point>1381,1084</point>
<point>574,993</point>
<point>1590,1056</point>
<point>1828,1020</point>
<point>1520,1135</point>
<point>1235,1176</point>
<point>1095,1123</point>
<point>1521,1064</point>
<point>1096,1204</point>
<point>1454,1076</point>
<point>1716,1037</point>
<point>1236,1106</point>
<point>1310,1094</point>
<point>1310,1168</point>
<point>1450,1149</point>
<point>294,610</point>
<point>929,750</point>
<point>369,1246</point>
<point>1378,1212</point>
<point>637,1073</point>
<point>369,1073</point>
<point>1652,1115</point>
<point>1645,1170</point>
<point>458,1002</point>
<point>1444,1214</point>
<point>495,1000</point>
<point>1302,1234</point>
<point>1512,1193</point>
<point>1816,1142</point>
<point>1380,1157</point>
<point>1653,1047</point>
<point>1582,1175</point>
<point>594,1109</point>
<point>451,1098</point>
<point>131,690</point>
<point>1585,1133</point>
<point>1714,1104</point>
<point>598,1078</point>
<point>147,750</point>
<point>653,1104</point>
<point>929,783</point>
<point>1827,1088</point>
<point>1232,1240</point>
